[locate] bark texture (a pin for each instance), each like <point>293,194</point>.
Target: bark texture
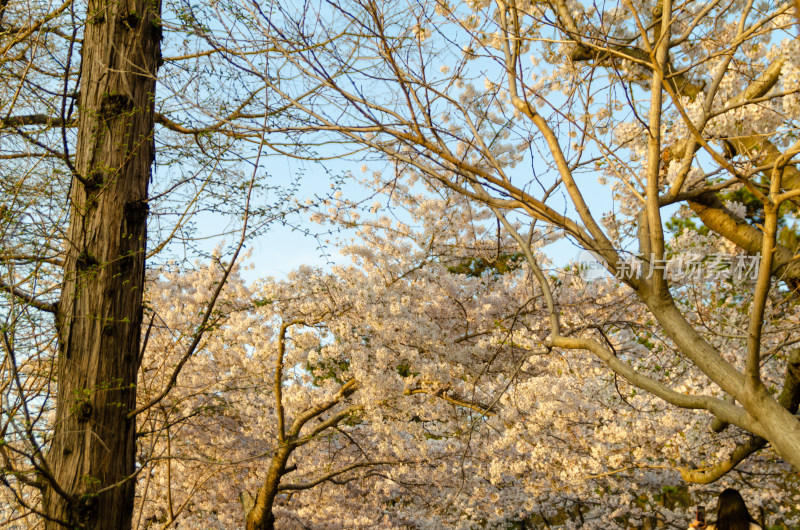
<point>100,313</point>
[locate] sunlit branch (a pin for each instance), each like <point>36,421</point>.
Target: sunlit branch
<point>29,299</point>
<point>330,476</point>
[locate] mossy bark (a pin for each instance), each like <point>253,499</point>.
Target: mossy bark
<point>92,453</point>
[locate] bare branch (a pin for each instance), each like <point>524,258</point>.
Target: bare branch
<point>29,299</point>
<point>330,476</point>
<point>486,410</point>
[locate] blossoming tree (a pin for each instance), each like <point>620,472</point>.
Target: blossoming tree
<point>414,388</point>
<point>452,376</point>
<point>668,105</point>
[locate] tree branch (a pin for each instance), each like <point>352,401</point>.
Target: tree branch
<point>29,299</point>
<point>329,477</point>
<point>345,391</point>
<point>716,472</point>
<point>789,398</point>
<point>486,410</point>
<point>718,218</point>
<point>719,408</point>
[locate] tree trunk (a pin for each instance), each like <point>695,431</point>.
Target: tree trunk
<point>260,516</point>
<point>766,416</point>
<point>779,426</point>
<point>100,312</point>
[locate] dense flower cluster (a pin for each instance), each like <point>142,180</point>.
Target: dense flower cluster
<point>464,418</point>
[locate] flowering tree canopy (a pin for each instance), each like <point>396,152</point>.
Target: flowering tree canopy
<point>414,388</point>
<point>452,375</point>
<point>524,106</point>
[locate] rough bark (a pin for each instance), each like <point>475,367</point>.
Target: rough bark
<point>99,317</point>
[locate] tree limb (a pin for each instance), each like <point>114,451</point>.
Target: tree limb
<point>489,410</point>
<point>329,476</point>
<point>717,217</point>
<point>29,299</point>
<point>717,471</point>
<point>345,391</point>
<point>789,398</point>
<point>727,411</point>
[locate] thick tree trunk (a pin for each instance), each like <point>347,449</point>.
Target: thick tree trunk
<point>100,312</point>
